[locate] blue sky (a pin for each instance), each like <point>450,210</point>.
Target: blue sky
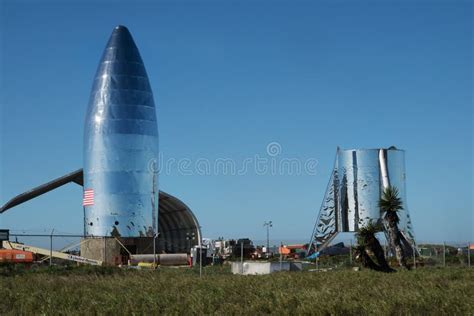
<point>231,77</point>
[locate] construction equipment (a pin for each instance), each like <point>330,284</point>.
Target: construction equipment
<point>15,256</point>
<point>293,251</point>
<point>51,253</point>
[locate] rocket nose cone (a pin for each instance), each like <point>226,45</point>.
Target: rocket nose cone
<point>121,31</point>
<point>121,47</point>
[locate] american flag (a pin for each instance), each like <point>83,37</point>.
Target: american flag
<point>88,197</point>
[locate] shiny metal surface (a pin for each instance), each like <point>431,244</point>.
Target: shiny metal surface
<point>121,144</point>
<point>354,190</point>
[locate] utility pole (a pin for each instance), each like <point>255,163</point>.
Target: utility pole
<point>268,225</point>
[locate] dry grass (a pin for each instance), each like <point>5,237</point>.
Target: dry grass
<point>180,291</point>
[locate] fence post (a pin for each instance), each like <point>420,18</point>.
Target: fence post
<point>414,256</point>
<point>317,257</point>
<point>200,260</point>
<point>200,252</point>
<point>51,248</point>
<point>350,253</point>
<point>469,254</point>
<point>444,254</point>
<point>281,255</point>
<point>242,257</point>
<point>154,251</point>
<point>105,251</point>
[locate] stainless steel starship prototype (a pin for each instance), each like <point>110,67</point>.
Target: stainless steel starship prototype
<point>121,145</point>
<point>354,190</point>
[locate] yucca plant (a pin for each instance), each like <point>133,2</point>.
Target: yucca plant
<point>363,257</point>
<point>366,236</point>
<point>390,203</point>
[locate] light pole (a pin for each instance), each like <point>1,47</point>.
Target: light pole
<point>268,225</point>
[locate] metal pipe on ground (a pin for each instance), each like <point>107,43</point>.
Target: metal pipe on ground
<point>164,259</point>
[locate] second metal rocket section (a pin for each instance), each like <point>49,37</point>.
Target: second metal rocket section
<point>354,190</point>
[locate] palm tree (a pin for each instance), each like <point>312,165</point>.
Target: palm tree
<point>366,236</point>
<point>391,203</point>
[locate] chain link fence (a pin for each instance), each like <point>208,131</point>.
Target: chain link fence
<point>69,249</point>
<point>339,255</point>
<point>446,254</point>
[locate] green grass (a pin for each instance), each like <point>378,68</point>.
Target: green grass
<point>180,291</point>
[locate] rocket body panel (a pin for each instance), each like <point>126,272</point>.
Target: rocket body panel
<point>355,188</point>
<point>121,145</point>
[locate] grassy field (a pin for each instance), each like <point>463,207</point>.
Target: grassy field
<point>180,291</point>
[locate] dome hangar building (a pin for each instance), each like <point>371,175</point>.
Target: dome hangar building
<point>125,213</point>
